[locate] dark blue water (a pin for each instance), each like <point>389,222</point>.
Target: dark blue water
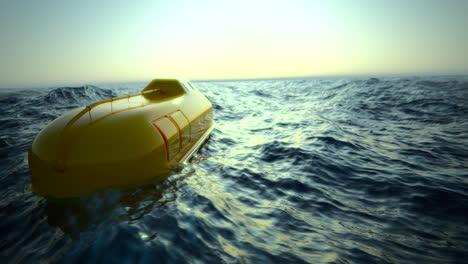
<point>296,171</point>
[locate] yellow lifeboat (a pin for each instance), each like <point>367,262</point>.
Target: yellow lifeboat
<point>120,141</point>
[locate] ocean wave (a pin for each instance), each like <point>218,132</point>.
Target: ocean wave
<point>76,95</point>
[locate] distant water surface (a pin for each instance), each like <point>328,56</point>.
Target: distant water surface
<point>297,171</point>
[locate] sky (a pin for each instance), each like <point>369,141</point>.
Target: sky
<point>61,42</point>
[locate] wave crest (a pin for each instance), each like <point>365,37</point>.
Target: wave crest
<point>78,95</point>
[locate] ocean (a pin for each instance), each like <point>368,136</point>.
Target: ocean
<point>317,170</point>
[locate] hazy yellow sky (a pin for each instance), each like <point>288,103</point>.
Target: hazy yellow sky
<point>55,42</point>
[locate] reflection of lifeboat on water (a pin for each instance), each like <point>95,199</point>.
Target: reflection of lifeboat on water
<point>120,141</point>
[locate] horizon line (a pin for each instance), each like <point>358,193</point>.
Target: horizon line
<point>332,76</point>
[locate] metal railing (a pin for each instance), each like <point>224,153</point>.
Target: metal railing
<point>89,108</point>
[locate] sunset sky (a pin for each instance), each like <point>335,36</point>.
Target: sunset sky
<point>60,42</point>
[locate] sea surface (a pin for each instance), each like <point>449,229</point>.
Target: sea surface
<point>331,170</point>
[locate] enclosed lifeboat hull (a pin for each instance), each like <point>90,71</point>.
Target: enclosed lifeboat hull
<point>120,141</point>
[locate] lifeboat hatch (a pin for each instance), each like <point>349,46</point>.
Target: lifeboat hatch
<point>175,130</point>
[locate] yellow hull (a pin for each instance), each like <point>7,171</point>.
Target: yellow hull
<point>120,141</point>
